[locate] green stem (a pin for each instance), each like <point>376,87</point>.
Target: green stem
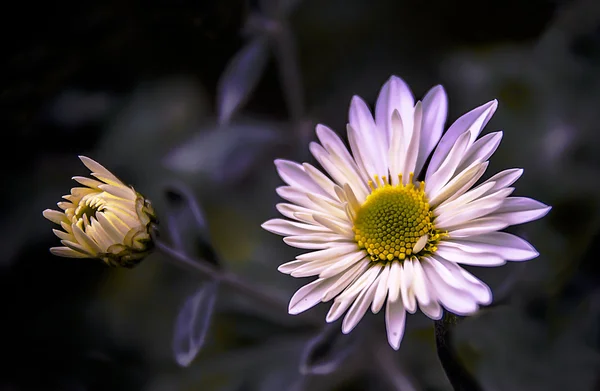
<point>460,378</point>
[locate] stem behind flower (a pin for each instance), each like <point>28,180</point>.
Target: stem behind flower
<point>460,378</point>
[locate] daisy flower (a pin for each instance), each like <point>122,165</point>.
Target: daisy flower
<point>104,219</point>
<point>394,217</point>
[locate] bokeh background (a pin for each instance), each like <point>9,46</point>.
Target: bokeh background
<point>203,95</point>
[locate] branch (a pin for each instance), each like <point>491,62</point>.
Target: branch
<point>231,280</point>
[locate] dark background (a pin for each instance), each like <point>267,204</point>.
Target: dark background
<point>139,87</point>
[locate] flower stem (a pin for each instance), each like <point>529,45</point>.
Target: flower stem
<point>457,374</point>
<point>229,279</point>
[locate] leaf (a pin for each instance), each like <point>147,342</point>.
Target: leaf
<point>226,154</point>
<point>193,322</point>
<point>186,223</point>
<point>240,77</point>
<point>325,352</point>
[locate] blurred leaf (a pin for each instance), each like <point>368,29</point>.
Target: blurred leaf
<point>241,77</point>
<point>153,117</point>
<point>193,322</point>
<point>186,223</point>
<point>326,352</point>
<point>225,154</point>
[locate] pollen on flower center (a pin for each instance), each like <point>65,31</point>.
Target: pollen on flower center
<point>395,221</point>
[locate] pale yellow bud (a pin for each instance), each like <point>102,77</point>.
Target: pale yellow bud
<point>106,219</point>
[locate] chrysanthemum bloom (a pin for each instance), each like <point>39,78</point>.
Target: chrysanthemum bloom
<point>106,219</point>
<point>385,228</point>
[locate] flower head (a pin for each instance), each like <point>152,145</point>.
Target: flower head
<point>385,228</point>
<point>105,219</point>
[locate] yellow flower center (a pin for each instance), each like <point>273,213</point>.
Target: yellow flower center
<point>396,222</point>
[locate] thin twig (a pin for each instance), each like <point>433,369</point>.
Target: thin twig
<point>457,374</point>
<point>231,280</point>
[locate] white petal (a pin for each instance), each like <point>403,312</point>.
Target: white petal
<point>309,295</point>
<point>99,169</point>
<point>372,143</point>
<point>474,121</point>
<point>114,231</point>
<point>346,298</point>
<point>439,178</point>
<point>395,317</point>
<point>505,178</point>
<point>363,166</point>
<point>518,210</point>
<point>119,191</point>
<point>362,282</point>
<point>433,310</point>
<point>314,242</point>
<point>310,218</point>
<point>435,109</point>
<point>346,278</point>
<point>457,255</point>
<point>364,153</point>
<point>351,198</point>
<point>78,247</point>
<point>294,175</point>
<point>309,269</point>
<point>454,299</point>
<point>398,144</point>
<point>450,205</point>
<point>337,309</point>
<point>55,216</point>
<point>394,95</point>
<point>338,250</point>
<point>339,170</point>
<point>63,235</point>
<point>420,284</point>
<point>413,147</point>
<point>394,281</point>
<point>299,197</point>
<point>473,210</point>
<point>406,287</point>
<point>479,226</point>
<point>459,184</point>
<point>290,211</point>
<point>460,278</point>
<point>339,265</point>
<point>84,240</point>
<point>508,246</point>
<point>359,308</point>
<point>97,233</point>
<point>382,289</point>
<point>286,227</point>
<point>481,150</point>
<point>68,252</point>
<point>334,226</point>
<point>319,178</point>
<point>89,182</point>
<point>289,267</point>
<point>334,145</point>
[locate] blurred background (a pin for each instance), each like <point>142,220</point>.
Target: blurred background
<point>201,96</point>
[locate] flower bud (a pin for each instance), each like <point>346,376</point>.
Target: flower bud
<point>105,219</point>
